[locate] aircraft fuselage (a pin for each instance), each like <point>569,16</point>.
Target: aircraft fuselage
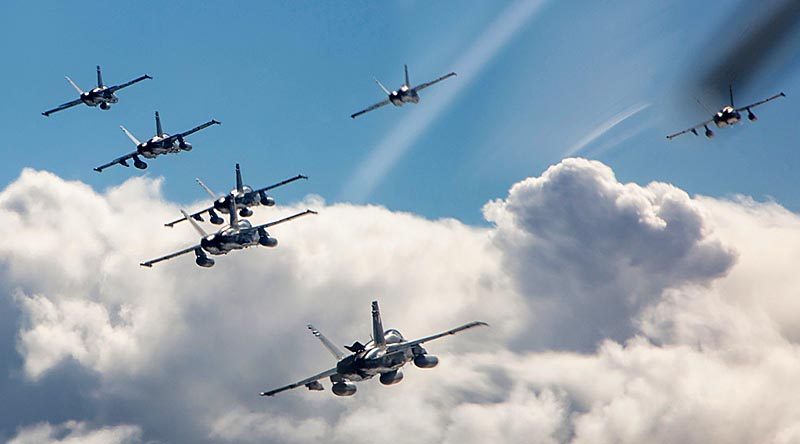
<point>403,95</point>
<point>242,200</point>
<point>99,96</point>
<point>374,361</point>
<point>726,117</point>
<point>229,239</point>
<point>161,145</point>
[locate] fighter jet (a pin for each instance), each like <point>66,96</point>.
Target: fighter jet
<point>161,143</point>
<point>406,94</point>
<point>727,116</point>
<point>236,236</point>
<point>101,95</point>
<point>243,197</point>
<point>383,356</point>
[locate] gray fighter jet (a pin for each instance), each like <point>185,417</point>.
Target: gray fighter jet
<point>243,197</point>
<point>236,236</point>
<point>727,116</point>
<point>406,94</point>
<point>161,143</point>
<point>101,95</point>
<point>383,356</point>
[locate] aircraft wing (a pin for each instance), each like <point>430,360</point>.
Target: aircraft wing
<point>195,129</point>
<point>62,107</point>
<point>427,84</point>
<point>409,344</point>
<point>119,160</point>
<point>116,88</point>
<point>692,130</point>
<point>282,183</point>
<point>761,102</point>
<point>169,256</point>
<point>373,107</point>
<point>306,381</point>
<point>285,219</point>
<point>195,216</point>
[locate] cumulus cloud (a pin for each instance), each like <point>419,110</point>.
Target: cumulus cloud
<point>620,313</point>
<point>73,432</point>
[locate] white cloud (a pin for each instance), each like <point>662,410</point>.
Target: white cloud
<point>72,432</point>
<point>620,314</point>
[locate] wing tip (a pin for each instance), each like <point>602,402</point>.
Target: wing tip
<point>98,169</point>
<point>146,264</point>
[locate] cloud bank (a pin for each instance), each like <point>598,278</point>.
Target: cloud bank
<point>621,313</point>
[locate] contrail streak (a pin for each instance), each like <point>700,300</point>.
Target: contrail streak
<point>397,142</point>
<point>605,127</point>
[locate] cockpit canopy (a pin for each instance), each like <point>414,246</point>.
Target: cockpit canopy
<point>393,336</point>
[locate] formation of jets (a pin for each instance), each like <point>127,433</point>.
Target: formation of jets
<point>383,356</point>
<point>387,351</point>
<point>237,235</point>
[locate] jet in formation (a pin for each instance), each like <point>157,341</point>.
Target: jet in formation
<point>383,357</point>
<point>243,197</point>
<point>161,143</point>
<point>236,236</point>
<point>727,116</point>
<point>101,95</point>
<point>406,94</point>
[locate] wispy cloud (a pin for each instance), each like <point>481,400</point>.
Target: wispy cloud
<point>604,127</point>
<point>397,142</point>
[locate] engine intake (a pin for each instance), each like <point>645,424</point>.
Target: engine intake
<point>426,361</point>
<point>267,201</point>
<point>344,389</point>
<point>268,241</point>
<point>391,377</point>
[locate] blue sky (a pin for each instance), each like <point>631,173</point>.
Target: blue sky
<point>606,80</point>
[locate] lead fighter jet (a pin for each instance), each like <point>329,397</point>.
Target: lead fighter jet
<point>243,197</point>
<point>406,94</point>
<point>383,357</point>
<point>161,143</point>
<point>101,95</point>
<point>727,116</point>
<point>236,236</point>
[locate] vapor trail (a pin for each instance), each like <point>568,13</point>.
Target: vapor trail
<point>397,142</point>
<point>604,127</point>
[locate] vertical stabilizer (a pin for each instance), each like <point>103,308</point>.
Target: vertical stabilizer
<point>196,226</point>
<point>159,131</point>
<point>239,184</point>
<point>377,326</point>
<point>74,85</point>
<point>405,67</point>
<point>99,77</point>
<point>730,91</point>
<point>234,216</point>
<point>388,93</point>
